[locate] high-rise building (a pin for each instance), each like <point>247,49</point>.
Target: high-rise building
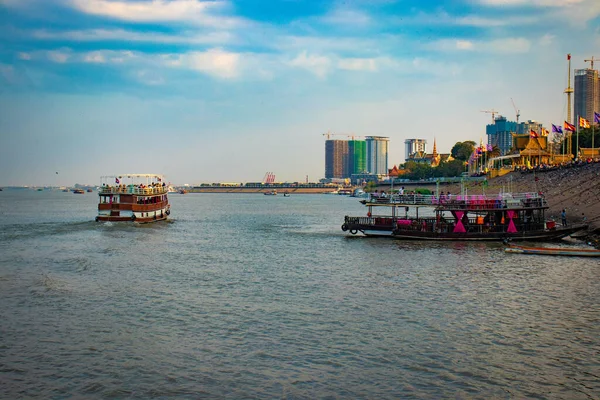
<point>357,157</point>
<point>336,156</point>
<point>500,133</point>
<point>377,154</point>
<point>587,94</point>
<point>412,146</point>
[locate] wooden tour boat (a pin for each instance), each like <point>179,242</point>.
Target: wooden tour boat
<point>140,198</point>
<point>553,251</point>
<point>514,216</point>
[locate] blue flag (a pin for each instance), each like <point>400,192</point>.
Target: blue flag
<point>596,117</point>
<point>556,129</point>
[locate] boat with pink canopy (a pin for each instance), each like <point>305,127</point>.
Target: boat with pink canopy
<point>503,216</point>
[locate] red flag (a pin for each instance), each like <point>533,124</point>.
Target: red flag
<point>569,56</point>
<point>533,134</point>
<point>569,127</point>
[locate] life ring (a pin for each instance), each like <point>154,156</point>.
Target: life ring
<point>133,217</point>
<point>353,231</point>
<point>369,214</point>
<point>168,212</point>
<point>344,227</point>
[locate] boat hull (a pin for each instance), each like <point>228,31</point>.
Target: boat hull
<point>543,235</point>
<point>382,227</point>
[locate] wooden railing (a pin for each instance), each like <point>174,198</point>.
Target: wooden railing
<point>481,202</point>
<point>131,189</point>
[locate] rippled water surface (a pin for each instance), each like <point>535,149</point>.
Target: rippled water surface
<point>251,296</point>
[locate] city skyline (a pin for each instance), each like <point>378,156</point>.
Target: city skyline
<point>225,90</point>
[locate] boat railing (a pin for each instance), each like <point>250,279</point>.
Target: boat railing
<point>503,200</point>
<point>132,189</point>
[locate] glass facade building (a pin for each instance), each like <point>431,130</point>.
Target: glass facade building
<point>587,94</point>
<point>357,157</point>
<point>500,133</point>
<point>377,154</point>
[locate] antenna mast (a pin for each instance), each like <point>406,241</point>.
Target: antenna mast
<point>569,91</point>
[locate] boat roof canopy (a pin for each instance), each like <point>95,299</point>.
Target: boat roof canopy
<point>133,176</point>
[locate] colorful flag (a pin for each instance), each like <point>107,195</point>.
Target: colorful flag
<point>584,123</point>
<point>533,134</point>
<point>596,117</point>
<point>117,180</point>
<point>490,147</point>
<point>556,129</point>
<point>545,132</point>
<point>569,127</point>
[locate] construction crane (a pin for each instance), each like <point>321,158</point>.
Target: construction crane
<point>329,134</point>
<point>591,61</point>
<point>493,112</point>
<point>516,110</point>
<point>355,136</point>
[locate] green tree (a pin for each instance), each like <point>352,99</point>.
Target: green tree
<point>462,150</point>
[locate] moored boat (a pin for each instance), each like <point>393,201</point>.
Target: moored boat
<point>78,191</point>
<point>272,192</point>
<point>518,216</point>
<point>138,198</point>
<point>553,251</point>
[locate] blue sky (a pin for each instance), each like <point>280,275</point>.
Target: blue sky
<point>207,91</point>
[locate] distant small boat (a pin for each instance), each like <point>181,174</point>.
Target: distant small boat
<point>65,190</point>
<point>89,190</point>
<point>79,191</point>
<point>286,194</point>
<point>183,191</point>
<point>271,193</point>
<point>553,251</point>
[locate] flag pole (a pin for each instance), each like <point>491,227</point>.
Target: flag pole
<point>577,146</point>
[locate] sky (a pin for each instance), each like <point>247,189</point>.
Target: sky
<point>226,91</point>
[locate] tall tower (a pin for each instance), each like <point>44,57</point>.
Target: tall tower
<point>357,157</point>
<point>377,154</point>
<point>336,154</point>
<point>587,93</point>
<point>569,91</point>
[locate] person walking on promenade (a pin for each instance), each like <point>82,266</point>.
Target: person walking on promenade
<point>563,216</point>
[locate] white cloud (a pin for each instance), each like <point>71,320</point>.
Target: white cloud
<point>59,56</point>
<point>192,11</point>
<point>347,17</point>
<point>358,64</point>
<point>547,39</point>
<point>316,64</point>
<point>504,45</point>
<point>509,45</point>
<point>94,57</point>
<point>537,3</point>
<point>464,45</point>
<point>150,78</point>
<point>95,35</point>
<point>216,62</point>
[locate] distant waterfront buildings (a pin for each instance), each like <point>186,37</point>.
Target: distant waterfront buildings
<point>500,133</point>
<point>348,158</point>
<point>587,94</point>
<point>414,146</point>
